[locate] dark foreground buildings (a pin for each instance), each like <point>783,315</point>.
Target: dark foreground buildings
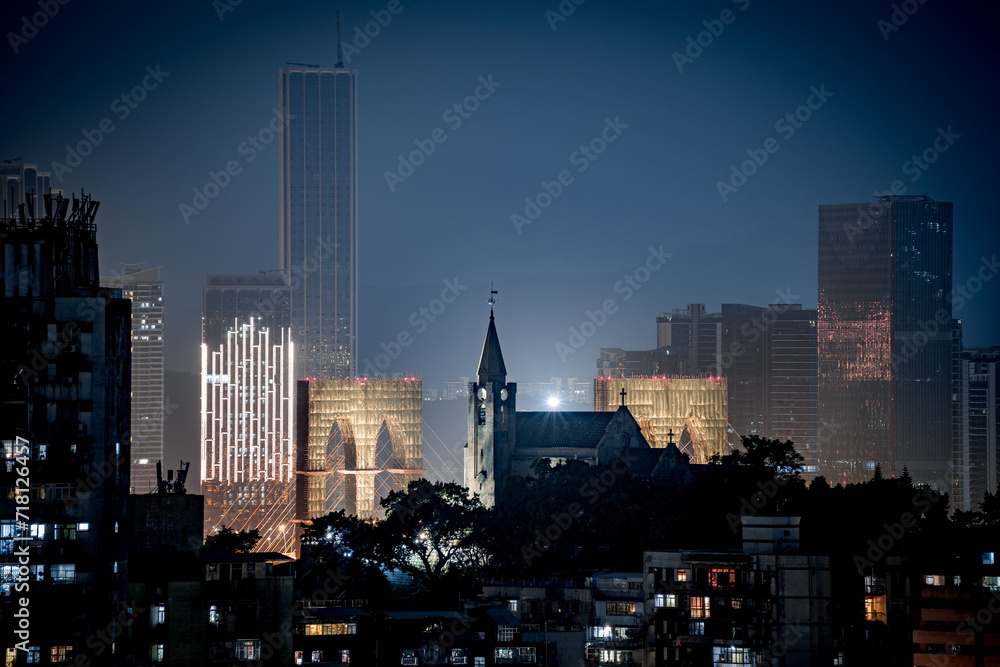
<point>64,438</point>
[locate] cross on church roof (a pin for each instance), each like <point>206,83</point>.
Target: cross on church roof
<point>670,437</point>
<point>493,298</point>
<point>623,392</point>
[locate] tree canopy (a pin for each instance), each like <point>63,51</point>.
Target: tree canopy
<point>230,541</point>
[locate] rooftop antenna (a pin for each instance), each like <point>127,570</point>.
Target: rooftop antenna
<point>340,50</point>
<point>300,64</point>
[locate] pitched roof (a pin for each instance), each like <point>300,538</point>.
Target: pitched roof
<point>543,430</point>
<point>491,366</point>
<point>643,460</point>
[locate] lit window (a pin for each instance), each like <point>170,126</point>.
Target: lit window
<point>682,575</point>
<point>934,579</point>
<point>82,527</point>
<point>156,652</point>
<point>345,656</point>
<point>214,617</point>
<point>988,558</point>
<point>505,633</point>
<point>992,583</point>
<point>700,607</point>
<point>63,573</point>
<point>732,655</point>
<point>696,628</point>
<point>512,605</point>
<point>34,654</point>
<point>875,608</point>
<point>61,654</point>
<point>158,614</point>
<point>721,578</point>
<point>248,649</point>
<point>459,656</point>
<point>621,609</point>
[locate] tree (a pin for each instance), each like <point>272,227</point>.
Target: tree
<point>431,531</point>
<point>761,452</point>
<point>229,541</point>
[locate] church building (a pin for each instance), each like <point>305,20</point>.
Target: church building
<point>503,443</point>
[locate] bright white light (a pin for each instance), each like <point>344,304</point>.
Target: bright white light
<point>553,401</point>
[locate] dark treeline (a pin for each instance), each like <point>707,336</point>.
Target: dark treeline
<point>573,515</point>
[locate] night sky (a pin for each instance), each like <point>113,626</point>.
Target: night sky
<point>675,116</point>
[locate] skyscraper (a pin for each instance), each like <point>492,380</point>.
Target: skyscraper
<point>977,464</point>
<point>318,204</point>
<point>144,289</point>
<point>228,299</point>
<point>790,381</point>
<point>64,439</point>
<point>247,421</point>
<point>885,338</point>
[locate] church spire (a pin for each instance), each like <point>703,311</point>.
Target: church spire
<point>491,366</point>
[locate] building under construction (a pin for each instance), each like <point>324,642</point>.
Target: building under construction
<point>356,440</point>
<point>247,421</point>
<point>688,411</point>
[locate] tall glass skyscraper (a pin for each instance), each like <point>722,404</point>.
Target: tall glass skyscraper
<point>318,200</point>
<point>145,289</point>
<point>885,338</point>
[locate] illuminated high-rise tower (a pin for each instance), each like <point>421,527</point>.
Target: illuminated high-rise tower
<point>318,203</point>
<point>145,290</point>
<point>885,338</point>
<point>247,417</point>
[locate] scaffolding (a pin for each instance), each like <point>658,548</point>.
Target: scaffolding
<point>691,412</point>
<point>364,440</point>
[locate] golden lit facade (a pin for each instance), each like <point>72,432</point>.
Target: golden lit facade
<point>694,410</point>
<point>358,440</point>
<point>247,422</point>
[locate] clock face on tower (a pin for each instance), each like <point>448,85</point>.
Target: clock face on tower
<point>482,393</point>
<point>503,394</point>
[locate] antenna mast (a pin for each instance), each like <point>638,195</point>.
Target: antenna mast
<point>340,50</point>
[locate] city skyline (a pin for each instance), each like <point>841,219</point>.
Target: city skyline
<point>668,132</point>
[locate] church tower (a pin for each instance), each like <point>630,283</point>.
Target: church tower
<point>492,417</point>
